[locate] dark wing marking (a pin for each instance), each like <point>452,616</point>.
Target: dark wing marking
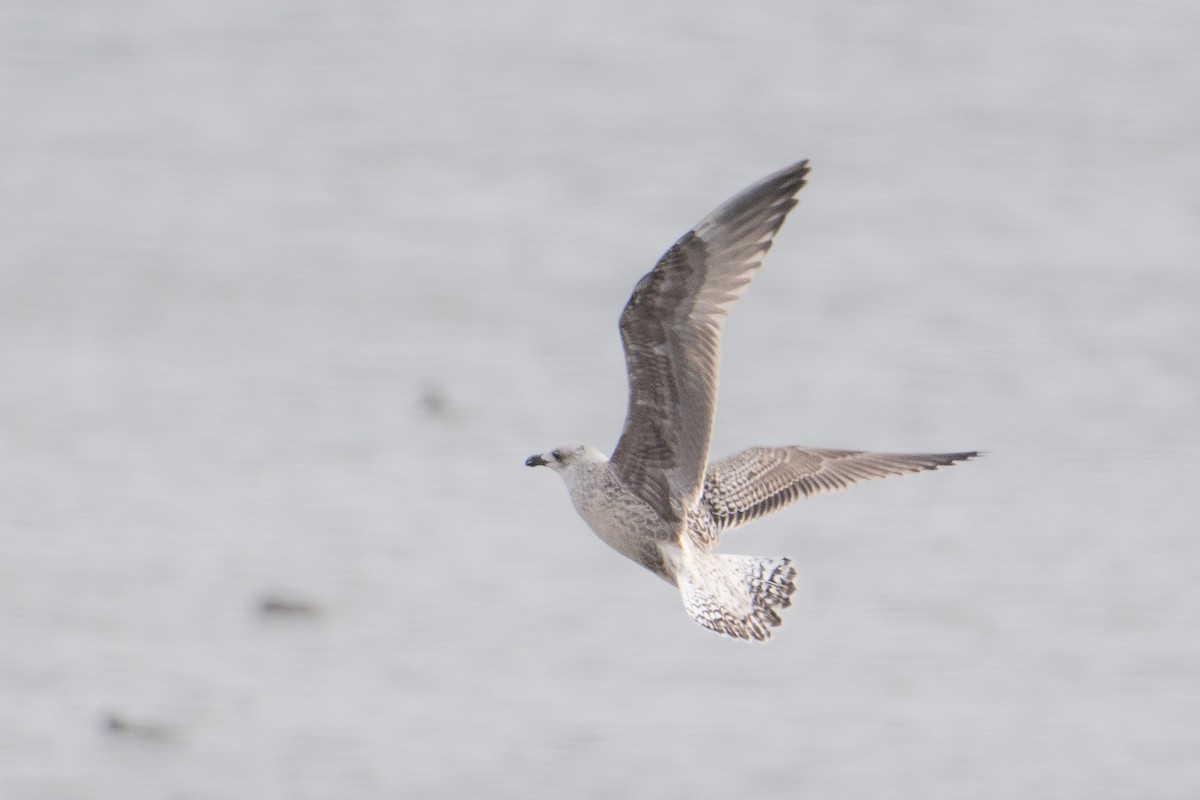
<point>671,329</point>
<point>760,480</point>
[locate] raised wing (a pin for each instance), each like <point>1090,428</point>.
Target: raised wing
<point>760,480</point>
<point>671,329</point>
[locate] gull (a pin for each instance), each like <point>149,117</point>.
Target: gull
<point>657,500</point>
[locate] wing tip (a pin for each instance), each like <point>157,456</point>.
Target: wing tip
<point>789,180</point>
<point>939,460</point>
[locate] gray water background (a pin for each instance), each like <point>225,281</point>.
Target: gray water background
<point>289,290</point>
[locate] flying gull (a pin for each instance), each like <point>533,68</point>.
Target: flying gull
<point>657,500</point>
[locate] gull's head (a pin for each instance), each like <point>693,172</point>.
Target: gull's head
<point>566,457</point>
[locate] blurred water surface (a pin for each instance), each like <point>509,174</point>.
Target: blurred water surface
<point>288,291</point>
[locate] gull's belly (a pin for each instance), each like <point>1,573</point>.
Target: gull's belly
<point>628,525</point>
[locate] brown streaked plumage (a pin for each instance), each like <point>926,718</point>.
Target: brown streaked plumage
<point>671,329</point>
<point>657,501</point>
<point>759,480</point>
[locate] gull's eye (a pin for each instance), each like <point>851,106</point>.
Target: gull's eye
<point>556,455</point>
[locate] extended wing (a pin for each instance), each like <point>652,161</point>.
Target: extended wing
<point>671,329</point>
<point>760,480</point>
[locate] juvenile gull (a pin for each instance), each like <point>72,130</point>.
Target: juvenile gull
<point>658,501</point>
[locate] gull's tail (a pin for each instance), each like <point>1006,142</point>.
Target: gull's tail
<point>739,596</point>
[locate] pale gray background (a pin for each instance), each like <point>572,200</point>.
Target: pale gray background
<point>289,290</point>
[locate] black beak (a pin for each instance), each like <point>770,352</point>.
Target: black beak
<point>536,461</point>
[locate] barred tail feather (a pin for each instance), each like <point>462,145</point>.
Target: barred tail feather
<point>738,596</point>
